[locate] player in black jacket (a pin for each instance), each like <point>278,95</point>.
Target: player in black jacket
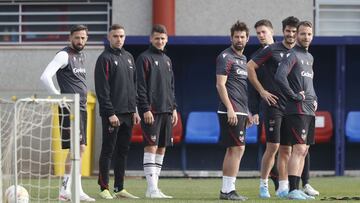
<point>115,85</point>
<point>157,106</point>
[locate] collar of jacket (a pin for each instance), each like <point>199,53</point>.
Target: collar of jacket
<point>155,50</point>
<point>114,51</point>
<point>300,48</point>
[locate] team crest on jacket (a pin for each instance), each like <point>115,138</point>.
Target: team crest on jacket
<point>157,63</point>
<point>116,63</point>
<point>153,138</point>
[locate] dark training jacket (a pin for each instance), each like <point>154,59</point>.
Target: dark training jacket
<point>115,82</point>
<point>156,86</point>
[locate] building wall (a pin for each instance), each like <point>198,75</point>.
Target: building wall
<point>210,17</point>
<point>134,15</point>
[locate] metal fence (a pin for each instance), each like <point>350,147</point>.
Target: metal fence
<point>49,23</point>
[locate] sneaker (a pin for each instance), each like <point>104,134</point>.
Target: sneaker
<point>64,196</point>
<point>156,194</point>
<point>124,194</point>
<point>105,194</point>
<point>86,198</point>
<point>165,196</point>
<point>232,196</point>
<point>264,192</point>
<point>306,196</point>
<point>282,193</point>
<point>310,190</point>
<point>296,195</point>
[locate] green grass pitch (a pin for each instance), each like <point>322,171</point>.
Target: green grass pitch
<point>207,190</point>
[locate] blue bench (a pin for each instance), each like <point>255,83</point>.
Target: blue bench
<point>352,127</point>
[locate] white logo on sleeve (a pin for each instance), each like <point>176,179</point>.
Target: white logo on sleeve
<point>129,61</point>
<point>116,63</point>
<point>281,54</point>
<point>157,63</point>
<point>287,55</point>
<point>224,55</point>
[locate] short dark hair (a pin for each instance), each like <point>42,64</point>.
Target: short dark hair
<point>263,22</point>
<point>116,27</point>
<point>239,26</point>
<point>305,24</point>
<point>77,28</point>
<point>290,21</point>
<point>158,28</point>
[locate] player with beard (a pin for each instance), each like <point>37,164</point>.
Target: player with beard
<point>273,113</point>
<point>231,84</point>
<point>295,77</point>
<point>269,90</point>
<point>68,65</point>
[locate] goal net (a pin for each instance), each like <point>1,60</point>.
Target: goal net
<point>30,138</point>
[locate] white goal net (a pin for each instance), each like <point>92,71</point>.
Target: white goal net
<point>30,138</point>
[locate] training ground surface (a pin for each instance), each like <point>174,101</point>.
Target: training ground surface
<point>207,190</point>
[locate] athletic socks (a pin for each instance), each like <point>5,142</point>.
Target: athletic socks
<point>294,182</point>
<point>228,184</point>
<point>264,182</point>
<point>159,158</point>
<point>150,171</point>
<point>283,185</point>
<point>66,183</point>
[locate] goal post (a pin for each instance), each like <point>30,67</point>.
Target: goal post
<point>28,148</point>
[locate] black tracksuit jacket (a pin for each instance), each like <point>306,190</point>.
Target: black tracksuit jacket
<point>156,88</point>
<point>115,82</point>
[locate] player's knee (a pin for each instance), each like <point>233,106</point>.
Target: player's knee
<point>272,148</point>
<point>82,148</point>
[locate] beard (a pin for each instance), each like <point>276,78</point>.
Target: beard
<point>77,47</point>
<point>238,47</point>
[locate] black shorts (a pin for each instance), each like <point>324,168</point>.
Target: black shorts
<point>64,121</point>
<point>160,132</point>
<point>272,119</point>
<point>232,135</point>
<point>300,129</point>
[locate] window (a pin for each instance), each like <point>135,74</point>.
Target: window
<point>337,18</point>
<point>50,22</point>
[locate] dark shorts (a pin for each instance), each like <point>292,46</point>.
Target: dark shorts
<point>300,129</point>
<point>273,119</point>
<point>232,135</point>
<point>64,121</point>
<point>160,132</point>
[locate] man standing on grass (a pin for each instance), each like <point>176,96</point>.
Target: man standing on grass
<point>295,77</point>
<point>275,101</point>
<point>68,65</point>
<point>157,106</point>
<point>231,84</point>
<point>115,85</point>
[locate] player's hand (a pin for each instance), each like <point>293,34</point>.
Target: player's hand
<point>255,119</point>
<point>315,105</point>
<point>302,93</point>
<point>232,118</point>
<point>114,121</point>
<point>249,121</point>
<point>136,118</point>
<point>174,118</point>
<point>270,99</point>
<point>148,118</point>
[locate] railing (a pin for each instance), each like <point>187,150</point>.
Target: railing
<point>49,23</point>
